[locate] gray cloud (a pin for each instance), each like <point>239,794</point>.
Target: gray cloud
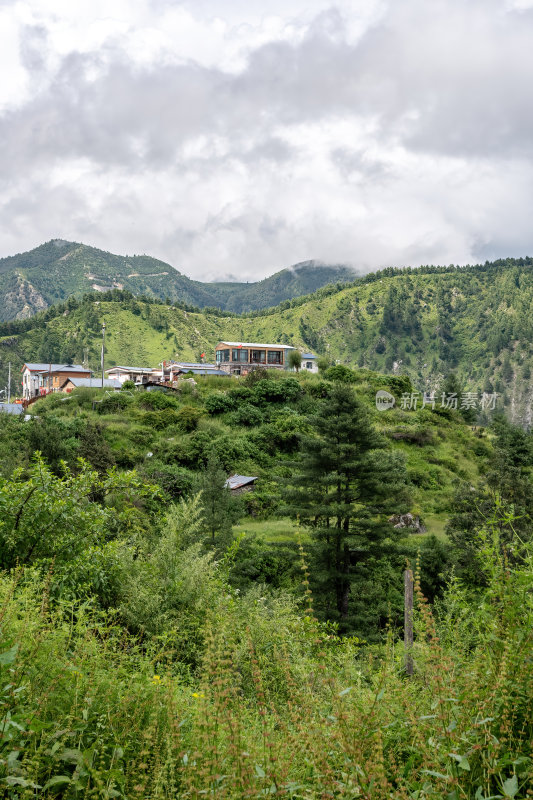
<point>382,149</point>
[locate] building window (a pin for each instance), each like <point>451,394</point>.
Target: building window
<point>257,356</point>
<point>309,365</point>
<point>239,354</point>
<point>275,357</point>
<point>222,355</point>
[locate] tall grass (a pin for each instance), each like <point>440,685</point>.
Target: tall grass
<point>279,706</point>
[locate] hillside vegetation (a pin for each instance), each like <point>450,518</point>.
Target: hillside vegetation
<point>476,322</point>
<point>32,281</point>
<point>153,648</point>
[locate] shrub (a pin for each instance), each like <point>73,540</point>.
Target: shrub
<point>219,403</point>
<point>112,403</point>
<point>276,391</point>
<point>340,373</point>
<point>156,401</point>
<point>231,450</point>
<point>247,415</point>
<point>176,481</point>
<point>241,394</point>
<point>160,419</point>
<point>188,418</point>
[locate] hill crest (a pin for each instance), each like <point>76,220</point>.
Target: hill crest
<point>58,269</point>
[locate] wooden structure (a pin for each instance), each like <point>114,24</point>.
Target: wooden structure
<point>240,358</point>
<point>41,379</point>
<point>239,484</point>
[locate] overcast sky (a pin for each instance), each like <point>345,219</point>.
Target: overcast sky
<point>236,137</point>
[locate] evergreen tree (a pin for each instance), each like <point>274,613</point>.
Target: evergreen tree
<point>220,511</point>
<point>345,484</point>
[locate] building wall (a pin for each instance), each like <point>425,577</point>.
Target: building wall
<point>242,360</point>
<point>313,366</point>
<point>33,383</point>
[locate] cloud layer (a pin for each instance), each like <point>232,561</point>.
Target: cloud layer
<point>238,144</point>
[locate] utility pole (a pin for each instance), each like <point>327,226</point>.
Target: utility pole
<point>9,383</point>
<point>103,350</point>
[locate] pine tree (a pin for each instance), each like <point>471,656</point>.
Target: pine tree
<point>219,509</point>
<point>345,484</point>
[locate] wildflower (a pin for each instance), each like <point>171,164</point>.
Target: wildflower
<point>198,694</point>
<point>156,679</point>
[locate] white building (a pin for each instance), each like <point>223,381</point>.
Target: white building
<point>310,362</point>
<point>39,379</point>
<point>135,374</point>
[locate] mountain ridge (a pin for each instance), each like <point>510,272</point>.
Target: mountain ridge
<point>58,269</point>
<point>475,321</point>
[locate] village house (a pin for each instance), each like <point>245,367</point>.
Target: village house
<point>135,374</point>
<point>309,362</point>
<point>239,358</point>
<point>40,379</point>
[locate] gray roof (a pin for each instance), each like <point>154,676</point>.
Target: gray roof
<point>131,369</point>
<point>308,355</point>
<point>256,344</point>
<point>236,481</point>
<point>11,408</point>
<point>34,367</point>
<point>94,383</point>
<point>202,371</point>
<point>192,364</point>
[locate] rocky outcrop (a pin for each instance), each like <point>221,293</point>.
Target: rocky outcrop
<point>414,524</point>
<point>23,300</point>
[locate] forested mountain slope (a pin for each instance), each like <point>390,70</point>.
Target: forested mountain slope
<point>32,281</point>
<point>477,322</point>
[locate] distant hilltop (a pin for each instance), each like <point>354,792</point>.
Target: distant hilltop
<point>56,270</point>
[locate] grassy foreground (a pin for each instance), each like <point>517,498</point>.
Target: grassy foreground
<point>279,706</point>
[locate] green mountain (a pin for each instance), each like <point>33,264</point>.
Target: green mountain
<point>32,281</point>
<point>474,321</point>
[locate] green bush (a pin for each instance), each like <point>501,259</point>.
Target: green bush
<point>114,402</point>
<point>188,418</point>
<point>276,391</point>
<point>156,400</point>
<point>219,403</point>
<point>340,373</point>
<point>247,415</point>
<point>176,481</point>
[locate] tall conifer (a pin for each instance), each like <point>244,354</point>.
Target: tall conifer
<point>345,485</point>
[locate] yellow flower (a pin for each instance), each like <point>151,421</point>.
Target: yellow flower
<point>198,694</point>
<point>156,679</point>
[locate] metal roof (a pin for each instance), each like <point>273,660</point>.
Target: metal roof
<point>56,367</point>
<point>131,369</point>
<point>11,408</point>
<point>256,344</point>
<point>94,383</point>
<point>193,364</point>
<point>236,481</point>
<point>203,371</point>
<point>308,355</point>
